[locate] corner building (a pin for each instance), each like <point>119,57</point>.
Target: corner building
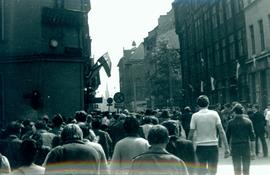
<point>44,47</point>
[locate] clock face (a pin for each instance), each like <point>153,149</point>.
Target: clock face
<point>53,43</point>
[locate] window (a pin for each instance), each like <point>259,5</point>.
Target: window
<point>252,37</point>
<point>268,25</point>
<point>240,43</point>
<point>206,22</point>
<point>261,35</point>
<point>231,47</point>
<point>228,9</point>
<point>221,13</point>
<point>214,16</point>
<point>236,6</point>
<point>2,20</point>
<point>241,4</point>
<point>223,54</point>
<point>217,57</point>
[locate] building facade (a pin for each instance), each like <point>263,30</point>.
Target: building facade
<point>162,64</point>
<point>132,78</point>
<point>44,47</point>
<point>257,15</point>
<point>213,51</point>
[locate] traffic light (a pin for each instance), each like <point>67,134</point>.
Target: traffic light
<point>35,99</point>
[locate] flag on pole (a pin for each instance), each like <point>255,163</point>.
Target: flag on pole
<point>105,61</point>
<point>237,69</point>
<point>202,90</point>
<point>94,71</point>
<point>95,80</point>
<point>212,83</point>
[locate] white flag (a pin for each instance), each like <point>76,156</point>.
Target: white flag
<point>212,83</point>
<point>237,69</point>
<point>202,90</point>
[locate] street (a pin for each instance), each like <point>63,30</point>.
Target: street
<point>259,166</point>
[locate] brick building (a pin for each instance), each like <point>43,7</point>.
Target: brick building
<point>213,50</point>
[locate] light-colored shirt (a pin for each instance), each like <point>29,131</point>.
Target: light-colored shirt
<point>205,122</point>
<point>29,170</point>
<point>125,150</point>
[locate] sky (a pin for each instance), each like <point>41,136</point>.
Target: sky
<point>115,24</point>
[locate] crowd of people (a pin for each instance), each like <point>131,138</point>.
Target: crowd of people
<point>151,142</point>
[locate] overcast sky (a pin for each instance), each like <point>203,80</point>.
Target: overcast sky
<point>114,24</point>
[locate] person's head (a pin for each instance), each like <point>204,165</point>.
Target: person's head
<point>165,114</point>
<point>85,130</point>
<point>121,117</point>
<point>157,135</point>
<point>227,105</point>
<point>80,116</point>
<point>255,108</point>
<point>71,132</point>
<point>14,128</point>
<point>203,101</point>
<point>28,151</point>
<point>126,112</point>
<point>89,118</point>
<point>131,126</point>
<point>154,120</point>
<point>96,124</point>
<point>45,118</point>
<point>147,120</point>
<point>57,120</point>
<point>187,109</point>
<point>172,127</point>
<point>148,112</point>
<point>40,125</point>
<point>238,109</point>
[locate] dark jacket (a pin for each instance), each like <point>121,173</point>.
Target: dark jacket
<point>184,150</point>
<point>10,148</point>
<point>259,122</point>
<point>240,130</point>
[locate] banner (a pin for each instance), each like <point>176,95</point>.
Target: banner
<point>212,83</point>
<point>105,61</point>
<point>237,69</point>
<point>202,84</point>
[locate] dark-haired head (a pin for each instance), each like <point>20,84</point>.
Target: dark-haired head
<point>14,128</point>
<point>203,101</point>
<point>238,109</point>
<point>131,126</point>
<point>80,116</point>
<point>172,127</point>
<point>57,120</point>
<point>28,151</point>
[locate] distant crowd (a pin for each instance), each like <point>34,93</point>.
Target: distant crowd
<point>150,142</point>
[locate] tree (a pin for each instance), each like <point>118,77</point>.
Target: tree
<point>167,77</point>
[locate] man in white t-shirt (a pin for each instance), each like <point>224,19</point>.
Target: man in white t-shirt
<point>206,123</point>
